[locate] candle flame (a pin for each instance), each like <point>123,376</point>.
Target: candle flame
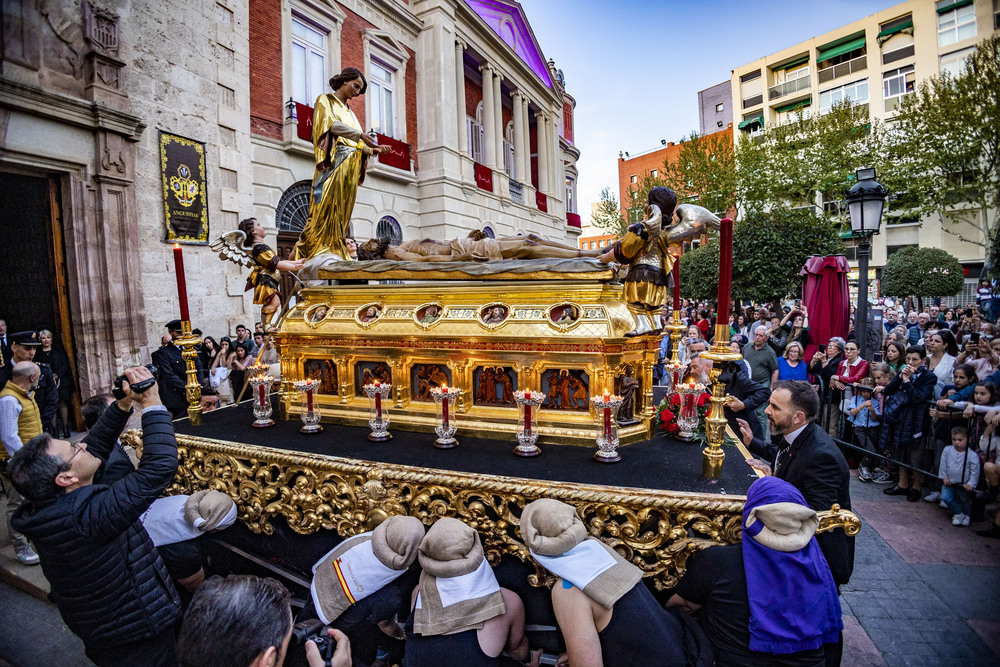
<point>444,387</point>
<point>607,396</point>
<point>377,383</point>
<point>177,246</point>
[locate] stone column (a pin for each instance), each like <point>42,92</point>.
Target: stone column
<point>489,124</point>
<point>463,140</point>
<point>498,119</point>
<point>558,169</point>
<point>525,142</point>
<point>543,152</point>
<point>518,136</point>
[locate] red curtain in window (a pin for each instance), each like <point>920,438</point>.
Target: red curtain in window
<point>484,177</point>
<point>304,115</point>
<point>398,157</point>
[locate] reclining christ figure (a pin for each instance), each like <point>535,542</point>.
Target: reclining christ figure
<point>476,247</point>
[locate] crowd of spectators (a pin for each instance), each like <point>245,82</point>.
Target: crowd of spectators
<point>931,388</point>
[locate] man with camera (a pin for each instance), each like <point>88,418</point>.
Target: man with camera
<point>246,621</point>
<point>110,585</point>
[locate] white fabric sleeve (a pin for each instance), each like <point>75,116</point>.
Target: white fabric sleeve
<point>10,410</point>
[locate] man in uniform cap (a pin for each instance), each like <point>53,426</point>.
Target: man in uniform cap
<point>173,372</point>
<point>22,348</point>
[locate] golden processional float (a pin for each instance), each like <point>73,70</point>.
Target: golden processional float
<point>486,354</point>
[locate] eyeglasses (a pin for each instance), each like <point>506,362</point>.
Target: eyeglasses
<point>76,450</point>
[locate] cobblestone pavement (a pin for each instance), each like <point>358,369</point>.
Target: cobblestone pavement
<point>923,593</point>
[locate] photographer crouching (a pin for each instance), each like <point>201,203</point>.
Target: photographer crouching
<point>106,577</point>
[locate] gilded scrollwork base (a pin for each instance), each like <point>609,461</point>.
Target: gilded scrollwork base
<point>655,530</point>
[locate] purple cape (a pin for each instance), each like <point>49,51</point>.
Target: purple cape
<point>794,604</point>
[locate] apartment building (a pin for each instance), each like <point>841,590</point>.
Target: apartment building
<point>875,61</point>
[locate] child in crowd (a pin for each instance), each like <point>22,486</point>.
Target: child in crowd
<point>963,375</point>
<point>985,399</point>
<point>864,413</point>
<point>904,413</point>
<point>959,473</point>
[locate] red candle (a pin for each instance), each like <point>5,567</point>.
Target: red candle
<point>444,409</point>
<point>378,405</point>
<point>607,423</point>
<point>725,268</point>
<point>182,295</point>
<point>677,282</point>
<point>309,399</point>
<point>262,394</point>
<point>527,416</point>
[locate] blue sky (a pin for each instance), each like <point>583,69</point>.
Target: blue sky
<point>635,68</point>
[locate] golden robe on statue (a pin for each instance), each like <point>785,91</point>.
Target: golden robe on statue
<point>645,250</point>
<point>340,156</point>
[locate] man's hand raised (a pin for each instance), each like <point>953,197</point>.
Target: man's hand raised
<point>745,431</point>
<point>145,398</point>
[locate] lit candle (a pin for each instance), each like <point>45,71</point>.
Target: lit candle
<point>262,395</point>
<point>725,269</point>
<point>378,402</point>
<point>607,397</point>
<point>182,296</point>
<point>677,282</point>
<point>309,398</point>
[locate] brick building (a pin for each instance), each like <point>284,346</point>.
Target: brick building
<point>632,168</point>
<point>480,123</point>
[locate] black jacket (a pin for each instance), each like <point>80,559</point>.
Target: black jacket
<point>815,466</point>
<point>753,395</point>
<point>106,577</point>
<point>173,377</point>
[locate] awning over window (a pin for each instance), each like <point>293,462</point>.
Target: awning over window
<point>905,26</point>
<point>792,63</point>
<point>833,49</point>
<point>750,121</point>
<point>793,106</point>
<point>943,7</point>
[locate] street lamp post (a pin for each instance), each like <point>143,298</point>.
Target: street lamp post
<point>865,202</point>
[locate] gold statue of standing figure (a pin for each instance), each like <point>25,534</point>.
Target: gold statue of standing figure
<point>341,149</point>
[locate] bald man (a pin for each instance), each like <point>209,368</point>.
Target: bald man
<point>20,421</point>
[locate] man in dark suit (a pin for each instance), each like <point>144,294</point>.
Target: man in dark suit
<point>4,341</point>
<point>747,395</point>
<point>173,373</point>
<point>805,456</point>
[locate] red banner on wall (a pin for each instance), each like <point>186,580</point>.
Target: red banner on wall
<point>573,220</point>
<point>542,201</point>
<point>304,115</point>
<point>484,177</point>
<point>398,157</point>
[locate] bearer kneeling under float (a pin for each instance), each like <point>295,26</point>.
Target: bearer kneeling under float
<point>606,614</point>
<point>771,599</point>
<point>461,617</point>
<point>359,587</point>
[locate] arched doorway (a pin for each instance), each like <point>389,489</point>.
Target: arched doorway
<point>290,217</point>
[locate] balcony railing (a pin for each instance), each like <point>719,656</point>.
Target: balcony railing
<point>789,87</point>
<point>516,191</point>
<point>843,69</point>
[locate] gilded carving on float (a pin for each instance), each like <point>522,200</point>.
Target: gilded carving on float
<point>368,315</point>
<point>429,315</point>
<point>564,316</point>
<point>315,314</point>
<point>656,530</point>
<point>494,315</point>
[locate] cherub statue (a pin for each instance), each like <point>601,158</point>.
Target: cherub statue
<point>645,248</point>
<point>246,247</point>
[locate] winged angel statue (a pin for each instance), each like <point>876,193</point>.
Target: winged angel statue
<point>246,248</point>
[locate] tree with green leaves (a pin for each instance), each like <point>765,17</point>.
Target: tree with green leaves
<point>946,140</point>
<point>769,250</point>
<point>704,172</point>
<point>921,272</point>
<point>608,215</point>
<point>811,161</point>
